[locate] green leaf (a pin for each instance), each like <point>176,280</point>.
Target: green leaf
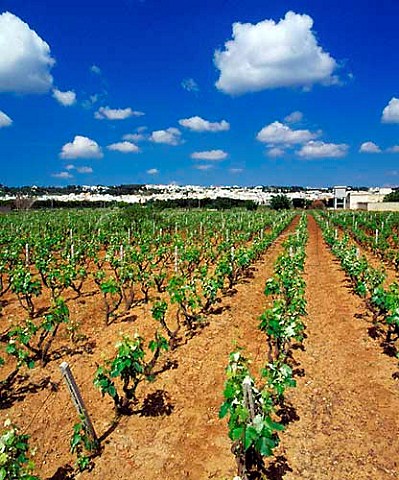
<point>237,433</point>
<point>224,409</point>
<point>250,436</point>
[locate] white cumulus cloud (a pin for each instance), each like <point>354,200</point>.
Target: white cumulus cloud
<point>66,99</point>
<point>84,170</point>
<point>62,175</point>
<point>25,59</point>
<point>153,171</point>
<point>394,149</point>
<point>81,147</point>
<point>318,149</point>
<point>209,155</point>
<point>134,137</point>
<point>170,136</point>
<point>278,133</point>
<point>275,152</point>
<point>107,113</point>
<point>390,113</point>
<point>369,147</point>
<point>270,55</point>
<point>124,147</point>
<point>207,166</point>
<point>5,120</point>
<point>198,124</point>
<point>294,117</point>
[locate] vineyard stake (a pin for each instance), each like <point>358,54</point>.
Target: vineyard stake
<point>176,259</point>
<point>78,402</point>
<point>248,398</point>
<point>27,254</point>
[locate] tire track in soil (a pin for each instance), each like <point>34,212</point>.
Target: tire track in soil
<point>347,402</point>
<point>192,443</point>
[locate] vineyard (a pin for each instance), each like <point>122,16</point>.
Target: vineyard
<point>205,344</point>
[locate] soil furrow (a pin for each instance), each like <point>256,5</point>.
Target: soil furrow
<point>347,402</point>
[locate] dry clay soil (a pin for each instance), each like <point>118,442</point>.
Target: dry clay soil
<point>343,415</point>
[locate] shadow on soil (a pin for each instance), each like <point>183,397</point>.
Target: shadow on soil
<point>18,390</point>
<point>168,365</point>
<point>157,404</point>
<point>287,414</point>
<point>129,318</point>
<point>66,472</point>
<point>219,310</point>
<point>278,468</point>
<point>86,347</point>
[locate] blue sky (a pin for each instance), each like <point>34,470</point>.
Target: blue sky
<point>301,92</point>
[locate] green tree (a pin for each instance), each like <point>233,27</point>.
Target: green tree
<point>280,202</point>
<point>392,197</point>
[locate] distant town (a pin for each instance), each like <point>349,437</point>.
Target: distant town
<point>354,198</point>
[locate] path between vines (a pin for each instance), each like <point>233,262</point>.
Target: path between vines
<point>347,401</point>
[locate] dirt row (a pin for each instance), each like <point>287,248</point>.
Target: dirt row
<point>347,402</point>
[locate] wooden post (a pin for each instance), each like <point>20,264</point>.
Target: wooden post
<point>376,235</point>
<point>121,253</point>
<point>72,251</point>
<point>78,402</point>
<point>248,398</point>
<point>176,259</point>
<point>27,254</point>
